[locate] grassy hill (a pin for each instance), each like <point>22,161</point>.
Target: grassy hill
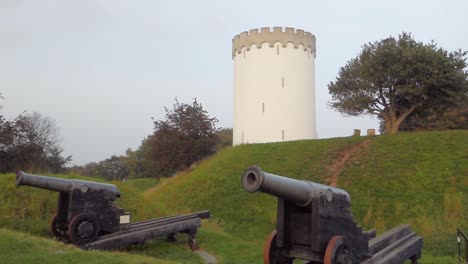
<point>415,178</point>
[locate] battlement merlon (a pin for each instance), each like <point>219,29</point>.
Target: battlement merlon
<point>253,36</point>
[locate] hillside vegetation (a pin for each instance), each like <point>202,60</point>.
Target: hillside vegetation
<point>415,178</point>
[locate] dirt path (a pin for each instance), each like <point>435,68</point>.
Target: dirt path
<point>207,258</point>
<point>335,169</point>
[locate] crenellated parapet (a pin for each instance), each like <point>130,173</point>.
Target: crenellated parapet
<point>278,34</point>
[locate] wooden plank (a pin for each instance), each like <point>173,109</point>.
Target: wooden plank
<point>120,240</point>
<point>398,251</point>
<point>410,249</point>
<point>378,243</point>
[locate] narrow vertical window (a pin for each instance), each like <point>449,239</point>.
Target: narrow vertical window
<point>263,107</point>
<point>244,54</point>
<point>242,137</point>
<point>282,134</point>
<point>282,82</point>
<point>308,54</point>
<point>277,50</point>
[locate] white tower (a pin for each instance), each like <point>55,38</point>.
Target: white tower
<point>274,85</point>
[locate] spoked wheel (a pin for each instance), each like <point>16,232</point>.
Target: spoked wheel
<point>192,242</point>
<point>337,252</point>
<point>83,228</point>
<point>59,230</point>
<point>271,252</point>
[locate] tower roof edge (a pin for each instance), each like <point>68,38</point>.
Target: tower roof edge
<point>271,36</point>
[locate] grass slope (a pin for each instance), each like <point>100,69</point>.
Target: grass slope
<point>416,178</point>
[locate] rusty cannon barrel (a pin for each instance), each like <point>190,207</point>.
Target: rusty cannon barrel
<point>297,191</point>
<point>66,185</point>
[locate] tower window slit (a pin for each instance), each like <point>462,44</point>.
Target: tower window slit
<point>263,107</point>
<point>277,50</point>
<point>282,134</point>
<point>282,82</point>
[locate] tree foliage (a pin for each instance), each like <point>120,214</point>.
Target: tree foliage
<point>427,119</point>
<point>109,169</point>
<point>396,77</point>
<point>186,135</point>
<point>30,142</point>
<point>225,138</point>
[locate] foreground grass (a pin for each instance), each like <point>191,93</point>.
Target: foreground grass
<point>18,247</point>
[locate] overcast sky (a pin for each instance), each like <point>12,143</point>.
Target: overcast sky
<point>102,69</point>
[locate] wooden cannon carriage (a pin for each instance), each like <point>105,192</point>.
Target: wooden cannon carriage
<point>87,216</point>
<point>314,223</point>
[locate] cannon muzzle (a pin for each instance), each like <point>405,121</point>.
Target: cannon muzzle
<point>297,191</point>
<point>65,185</point>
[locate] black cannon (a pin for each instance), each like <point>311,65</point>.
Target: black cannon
<point>85,209</point>
<point>87,216</point>
<point>314,223</point>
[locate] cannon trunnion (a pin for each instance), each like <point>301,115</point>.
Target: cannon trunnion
<point>314,223</point>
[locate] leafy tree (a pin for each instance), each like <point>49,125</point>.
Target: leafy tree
<point>19,146</point>
<point>109,169</point>
<point>426,119</point>
<point>55,162</point>
<point>393,78</point>
<point>89,169</point>
<point>187,134</point>
<point>112,168</point>
<point>132,162</point>
<point>225,138</point>
<point>30,142</point>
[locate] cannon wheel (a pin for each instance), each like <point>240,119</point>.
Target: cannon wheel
<point>271,252</point>
<point>83,228</point>
<point>337,252</point>
<point>57,230</point>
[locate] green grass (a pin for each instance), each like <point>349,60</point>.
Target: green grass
<point>142,184</point>
<point>415,178</point>
<point>18,247</point>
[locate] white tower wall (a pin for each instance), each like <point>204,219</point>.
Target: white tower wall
<point>274,86</point>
